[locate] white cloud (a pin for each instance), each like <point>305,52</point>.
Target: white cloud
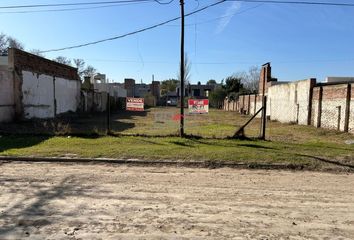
<point>227,16</point>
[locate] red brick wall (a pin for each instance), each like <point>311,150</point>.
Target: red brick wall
<point>24,61</point>
<point>335,92</point>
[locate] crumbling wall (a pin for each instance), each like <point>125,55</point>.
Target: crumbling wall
<point>7,103</point>
<point>43,88</point>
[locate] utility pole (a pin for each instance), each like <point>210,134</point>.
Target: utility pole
<point>181,127</point>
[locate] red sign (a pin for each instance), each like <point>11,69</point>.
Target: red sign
<point>135,104</point>
<point>198,105</point>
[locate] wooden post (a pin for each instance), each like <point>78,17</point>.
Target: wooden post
<point>181,128</point>
<point>264,118</point>
<point>347,108</point>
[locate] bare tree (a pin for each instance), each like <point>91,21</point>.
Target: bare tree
<point>37,52</point>
<point>89,71</point>
<point>63,60</point>
<point>9,42</point>
<point>3,43</point>
<point>80,65</point>
<point>252,80</point>
<point>14,43</point>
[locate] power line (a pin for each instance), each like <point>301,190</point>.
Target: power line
<point>160,2</point>
<point>75,9</point>
<point>76,4</point>
<point>134,32</point>
<point>296,2</point>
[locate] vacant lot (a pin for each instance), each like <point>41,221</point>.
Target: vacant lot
<point>287,144</point>
<point>51,201</point>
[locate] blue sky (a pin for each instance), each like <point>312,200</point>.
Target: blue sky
<point>300,41</point>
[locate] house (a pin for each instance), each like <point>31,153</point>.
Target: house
<point>35,87</point>
<point>198,91</point>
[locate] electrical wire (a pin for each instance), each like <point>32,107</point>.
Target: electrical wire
<point>160,2</point>
<point>134,32</point>
<point>72,4</point>
<point>296,2</point>
<point>75,9</point>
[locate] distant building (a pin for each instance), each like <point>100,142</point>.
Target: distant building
<point>142,89</point>
<point>129,85</point>
<point>197,90</point>
<point>339,79</point>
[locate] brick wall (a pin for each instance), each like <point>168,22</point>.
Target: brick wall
<point>24,61</point>
<point>332,107</point>
<point>42,88</point>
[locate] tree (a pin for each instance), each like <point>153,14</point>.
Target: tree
<point>14,43</point>
<point>217,97</point>
<point>3,43</point>
<point>63,60</point>
<point>251,83</point>
<point>187,70</point>
<point>168,85</point>
<point>9,42</point>
<point>211,82</point>
<point>233,84</point>
<point>89,71</point>
<point>80,65</point>
<point>37,52</point>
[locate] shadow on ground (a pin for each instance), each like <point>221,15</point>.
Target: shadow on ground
<point>39,205</point>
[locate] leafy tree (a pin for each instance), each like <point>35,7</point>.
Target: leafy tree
<point>233,84</point>
<point>169,85</point>
<point>211,82</point>
<point>63,60</point>
<point>217,97</point>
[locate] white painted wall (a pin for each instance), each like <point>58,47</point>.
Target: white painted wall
<point>38,95</point>
<point>7,110</point>
<point>289,102</point>
<point>351,116</point>
<point>67,94</point>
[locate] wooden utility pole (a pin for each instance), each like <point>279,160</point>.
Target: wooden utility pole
<point>181,128</point>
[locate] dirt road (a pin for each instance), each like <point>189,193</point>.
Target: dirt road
<point>58,201</point>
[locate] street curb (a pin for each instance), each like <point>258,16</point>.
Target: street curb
<point>147,163</point>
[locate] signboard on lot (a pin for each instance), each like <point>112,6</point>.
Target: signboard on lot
<point>198,105</point>
<point>135,104</point>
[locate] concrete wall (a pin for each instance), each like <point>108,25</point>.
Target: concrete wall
<point>7,110</point>
<point>351,109</point>
<point>67,95</point>
<point>35,87</point>
<point>38,95</point>
<point>290,102</point>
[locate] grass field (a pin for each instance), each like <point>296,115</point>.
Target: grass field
<point>290,144</point>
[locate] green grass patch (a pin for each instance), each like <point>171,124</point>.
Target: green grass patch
<point>174,148</point>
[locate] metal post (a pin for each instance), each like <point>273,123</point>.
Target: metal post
<point>181,130</point>
<point>108,116</point>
